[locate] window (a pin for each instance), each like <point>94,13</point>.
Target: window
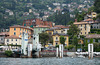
<point>14,28</point>
<point>99,41</point>
<point>20,29</point>
<point>7,40</point>
<point>1,38</point>
<point>14,33</point>
<point>11,39</point>
<point>12,43</point>
<point>88,41</point>
<point>81,32</point>
<point>65,38</point>
<point>16,39</point>
<point>16,43</point>
<point>56,38</point>
<point>93,40</point>
<point>81,25</point>
<point>85,28</point>
<point>20,33</point>
<point>85,32</point>
<point>56,43</point>
<point>81,28</point>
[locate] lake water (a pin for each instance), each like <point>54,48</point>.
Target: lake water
<point>49,61</point>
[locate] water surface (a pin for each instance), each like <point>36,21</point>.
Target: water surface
<point>49,61</point>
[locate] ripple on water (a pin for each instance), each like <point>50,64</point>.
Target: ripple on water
<point>49,61</point>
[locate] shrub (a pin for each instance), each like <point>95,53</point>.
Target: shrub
<point>69,47</point>
<point>8,53</point>
<point>57,46</point>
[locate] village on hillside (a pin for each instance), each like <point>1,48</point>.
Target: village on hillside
<point>49,35</point>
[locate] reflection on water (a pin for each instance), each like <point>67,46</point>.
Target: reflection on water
<point>49,61</point>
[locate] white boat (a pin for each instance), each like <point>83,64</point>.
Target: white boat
<point>81,56</point>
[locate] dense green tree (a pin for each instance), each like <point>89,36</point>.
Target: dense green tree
<point>75,41</point>
<point>73,30</point>
<point>62,40</point>
<point>97,6</point>
<point>80,16</point>
<point>45,38</point>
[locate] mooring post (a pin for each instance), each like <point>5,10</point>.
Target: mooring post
<point>60,50</point>
<point>90,51</point>
<point>57,52</point>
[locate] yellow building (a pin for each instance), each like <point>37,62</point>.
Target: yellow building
<point>56,39</point>
<point>17,31</point>
<point>84,27</point>
<point>53,30</point>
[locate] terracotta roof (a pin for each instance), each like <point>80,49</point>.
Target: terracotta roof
<point>4,33</point>
<point>13,37</point>
<point>93,36</point>
<point>19,26</point>
<point>42,26</point>
<point>88,20</point>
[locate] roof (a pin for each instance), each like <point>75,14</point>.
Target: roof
<point>61,26</point>
<point>19,26</point>
<point>60,34</point>
<point>88,20</point>
<point>93,36</point>
<point>4,33</point>
<point>54,28</point>
<point>41,26</point>
<point>12,37</point>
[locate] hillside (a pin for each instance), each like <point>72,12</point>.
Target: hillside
<point>15,11</point>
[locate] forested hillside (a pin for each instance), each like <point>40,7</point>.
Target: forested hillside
<point>15,11</point>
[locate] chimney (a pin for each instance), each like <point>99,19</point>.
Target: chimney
<point>75,20</point>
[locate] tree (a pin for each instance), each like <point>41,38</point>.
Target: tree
<point>75,41</point>
<point>62,40</point>
<point>97,6</point>
<point>70,23</point>
<point>80,16</point>
<point>73,33</point>
<point>44,38</point>
<point>73,30</point>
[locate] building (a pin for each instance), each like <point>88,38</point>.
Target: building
<point>91,15</point>
<point>58,29</point>
<point>95,25</point>
<point>17,30</point>
<point>40,29</point>
<point>36,22</point>
<point>84,27</point>
<point>92,38</point>
<point>56,39</point>
<point>14,42</point>
<point>2,37</point>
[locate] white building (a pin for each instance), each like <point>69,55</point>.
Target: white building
<point>13,41</point>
